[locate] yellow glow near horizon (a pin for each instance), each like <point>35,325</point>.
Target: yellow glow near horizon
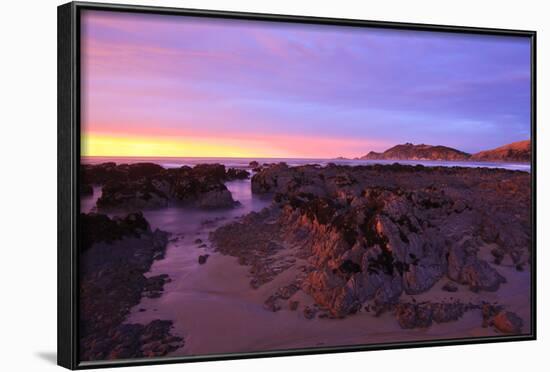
<point>105,145</point>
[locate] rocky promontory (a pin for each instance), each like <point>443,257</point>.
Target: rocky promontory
<point>409,151</point>
<point>369,236</point>
<point>516,152</point>
<point>513,152</point>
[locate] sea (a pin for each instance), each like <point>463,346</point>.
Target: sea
<point>169,162</point>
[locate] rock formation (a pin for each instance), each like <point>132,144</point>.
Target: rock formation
<point>408,151</point>
<point>513,152</point>
<point>140,186</point>
<point>115,255</point>
<point>371,234</point>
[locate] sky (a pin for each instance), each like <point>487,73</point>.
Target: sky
<point>160,85</point>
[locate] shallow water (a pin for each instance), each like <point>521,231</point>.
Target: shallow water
<point>183,220</point>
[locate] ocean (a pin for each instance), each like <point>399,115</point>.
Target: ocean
<point>244,162</point>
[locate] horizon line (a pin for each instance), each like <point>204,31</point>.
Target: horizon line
<point>202,157</point>
<point>277,157</point>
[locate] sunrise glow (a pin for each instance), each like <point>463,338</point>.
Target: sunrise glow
<point>98,145</point>
<point>275,147</point>
<point>157,85</point>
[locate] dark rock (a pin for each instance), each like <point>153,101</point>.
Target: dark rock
<point>116,253</point>
<point>100,173</point>
<point>287,291</point>
<point>450,287</point>
<point>488,312</point>
<point>86,189</point>
<point>310,312</point>
<point>147,185</point>
<point>273,304</point>
<point>251,240</point>
<point>447,312</point>
<point>466,268</point>
<point>203,258</point>
<point>209,172</point>
<point>498,254</point>
<point>413,315</point>
<point>100,228</point>
<point>154,285</point>
<point>237,174</point>
<point>507,322</point>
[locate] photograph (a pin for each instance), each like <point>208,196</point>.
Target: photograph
<point>252,186</point>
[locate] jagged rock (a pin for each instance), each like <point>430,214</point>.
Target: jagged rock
<point>115,255</point>
<point>146,185</point>
<point>330,291</point>
<point>479,275</point>
<point>371,233</point>
<point>273,303</point>
<point>136,341</point>
<point>412,315</point>
<point>253,241</point>
<point>216,197</point>
<point>269,178</point>
<point>507,322</point>
<point>100,228</point>
<point>208,172</point>
<point>488,312</point>
<point>450,287</point>
<point>203,258</point>
<point>86,189</point>
<point>100,173</point>
<point>154,285</point>
<point>310,312</point>
<point>464,267</point>
<point>447,312</point>
<point>236,174</point>
<point>498,254</point>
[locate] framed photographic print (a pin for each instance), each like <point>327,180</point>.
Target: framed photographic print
<point>240,185</point>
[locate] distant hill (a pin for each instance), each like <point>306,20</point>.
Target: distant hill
<point>517,151</point>
<point>408,151</point>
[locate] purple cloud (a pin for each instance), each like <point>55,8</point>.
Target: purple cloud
<point>186,74</point>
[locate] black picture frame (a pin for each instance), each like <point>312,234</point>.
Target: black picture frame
<point>69,162</point>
